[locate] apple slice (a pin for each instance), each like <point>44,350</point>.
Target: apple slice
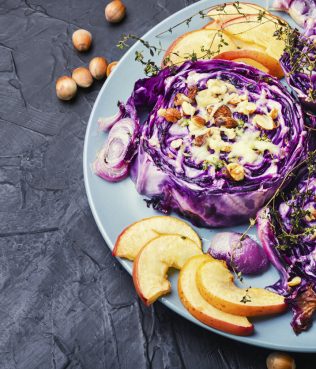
<point>261,33</point>
<point>153,261</point>
<point>230,11</point>
<point>200,308</point>
<point>255,58</point>
<point>134,237</point>
<point>216,284</point>
<point>194,42</point>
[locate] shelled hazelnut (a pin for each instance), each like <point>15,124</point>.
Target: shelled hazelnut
<point>115,11</point>
<point>66,88</point>
<point>82,40</point>
<point>82,77</point>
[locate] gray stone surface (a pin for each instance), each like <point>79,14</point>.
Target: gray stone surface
<point>65,302</point>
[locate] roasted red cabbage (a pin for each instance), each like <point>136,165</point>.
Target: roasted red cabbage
<point>176,174</point>
<point>288,234</point>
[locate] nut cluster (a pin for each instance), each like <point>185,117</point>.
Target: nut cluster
<point>66,87</point>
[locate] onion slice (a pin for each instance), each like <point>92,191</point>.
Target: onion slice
<point>112,162</point>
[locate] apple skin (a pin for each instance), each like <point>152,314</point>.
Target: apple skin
<point>151,223</point>
<point>223,294</point>
<point>146,301</point>
<point>217,318</point>
<point>266,60</point>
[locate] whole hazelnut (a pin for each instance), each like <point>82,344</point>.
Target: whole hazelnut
<point>280,360</point>
<point>110,67</point>
<point>82,77</point>
<point>82,40</point>
<point>66,88</point>
<point>97,67</point>
<point>115,11</point>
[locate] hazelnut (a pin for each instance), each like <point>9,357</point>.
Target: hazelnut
<point>171,114</point>
<point>280,360</point>
<point>115,11</point>
<point>222,111</point>
<point>235,171</point>
<point>246,107</point>
<point>66,88</point>
<point>192,91</point>
<point>187,108</point>
<point>82,40</point>
<point>110,68</point>
<point>200,140</point>
<point>274,113</point>
<point>97,67</point>
<point>180,98</point>
<point>82,77</point>
<point>227,122</point>
<point>294,281</point>
<point>264,122</point>
<point>199,121</point>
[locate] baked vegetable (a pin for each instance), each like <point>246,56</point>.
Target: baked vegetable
<point>218,141</point>
<point>288,234</point>
<point>240,252</point>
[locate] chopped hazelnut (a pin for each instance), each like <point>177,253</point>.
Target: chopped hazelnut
<point>200,140</point>
<point>235,171</point>
<point>192,91</point>
<point>222,111</point>
<point>180,98</point>
<point>227,122</point>
<point>187,108</point>
<point>264,122</point>
<point>170,114</point>
<point>198,120</point>
<point>274,113</point>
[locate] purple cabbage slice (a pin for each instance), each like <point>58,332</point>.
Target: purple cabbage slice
<point>173,178</point>
<point>288,234</point>
<point>299,65</point>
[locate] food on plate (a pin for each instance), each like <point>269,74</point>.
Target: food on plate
<point>66,88</point>
<point>203,311</point>
<point>197,43</point>
<point>218,141</point>
<point>112,162</point>
<point>302,11</point>
<point>250,27</point>
<point>82,77</point>
<point>154,260</point>
<point>240,252</point>
<point>134,237</point>
<point>255,58</point>
<point>216,284</point>
<point>299,65</point>
<point>287,231</point>
<point>228,11</point>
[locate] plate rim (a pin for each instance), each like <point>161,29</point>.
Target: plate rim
<point>86,167</point>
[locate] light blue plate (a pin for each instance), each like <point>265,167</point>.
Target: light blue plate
<point>114,206</point>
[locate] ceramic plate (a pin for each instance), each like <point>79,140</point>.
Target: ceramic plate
<point>114,206</point>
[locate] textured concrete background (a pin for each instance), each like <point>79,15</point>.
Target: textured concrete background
<point>65,302</point>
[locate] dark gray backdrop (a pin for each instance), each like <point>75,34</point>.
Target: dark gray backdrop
<point>65,302</point>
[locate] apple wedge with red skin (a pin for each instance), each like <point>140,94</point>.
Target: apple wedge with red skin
<point>216,284</point>
<point>182,47</point>
<point>271,64</point>
<point>134,237</point>
<point>201,309</point>
<point>153,262</point>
